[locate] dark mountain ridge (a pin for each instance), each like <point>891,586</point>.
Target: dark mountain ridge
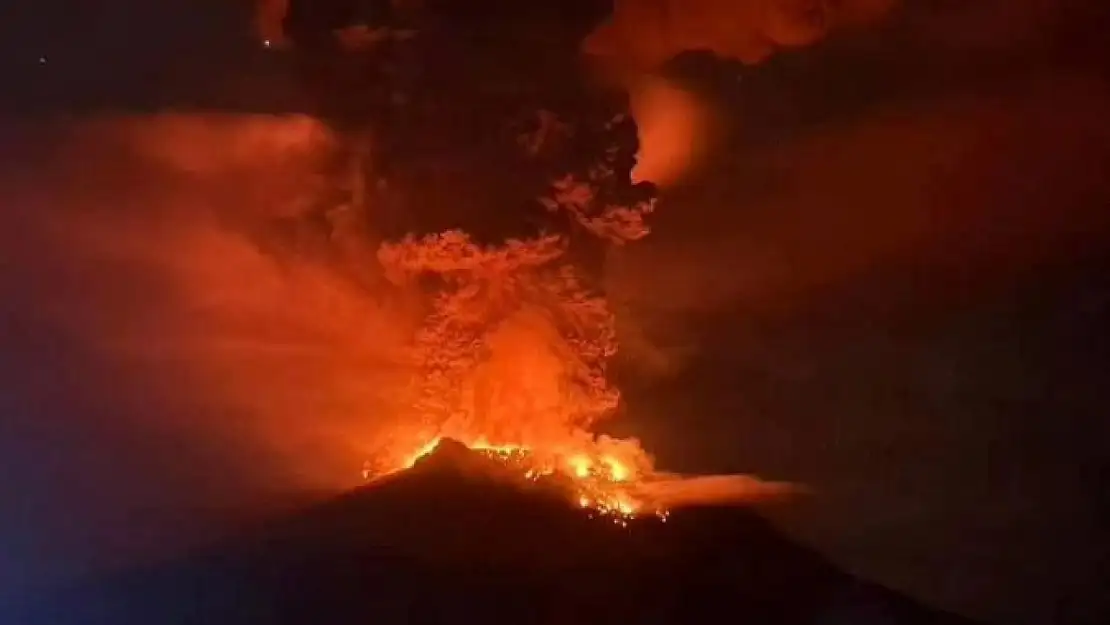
<point>457,540</point>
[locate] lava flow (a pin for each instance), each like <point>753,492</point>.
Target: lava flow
<point>603,484</point>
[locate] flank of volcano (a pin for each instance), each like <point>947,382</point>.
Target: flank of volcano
<point>463,536</point>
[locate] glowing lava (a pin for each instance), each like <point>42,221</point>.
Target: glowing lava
<point>600,482</point>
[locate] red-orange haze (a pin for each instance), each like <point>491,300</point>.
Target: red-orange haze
<point>176,250</point>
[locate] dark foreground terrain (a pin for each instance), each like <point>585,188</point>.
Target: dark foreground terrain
<point>451,541</point>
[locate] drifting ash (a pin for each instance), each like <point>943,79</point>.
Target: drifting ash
<point>451,540</point>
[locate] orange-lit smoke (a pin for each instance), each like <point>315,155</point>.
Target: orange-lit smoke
<point>177,250</point>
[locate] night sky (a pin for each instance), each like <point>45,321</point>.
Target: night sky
<point>891,284</point>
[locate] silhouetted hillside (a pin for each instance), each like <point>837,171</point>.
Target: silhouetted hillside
<point>455,540</point>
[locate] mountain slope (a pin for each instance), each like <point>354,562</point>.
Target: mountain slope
<point>456,540</point>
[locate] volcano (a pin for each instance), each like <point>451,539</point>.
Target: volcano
<point>457,538</point>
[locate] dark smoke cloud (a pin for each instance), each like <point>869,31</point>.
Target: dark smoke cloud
<point>924,156</point>
<point>885,285</point>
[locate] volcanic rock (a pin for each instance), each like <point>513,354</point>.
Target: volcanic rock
<point>452,541</point>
